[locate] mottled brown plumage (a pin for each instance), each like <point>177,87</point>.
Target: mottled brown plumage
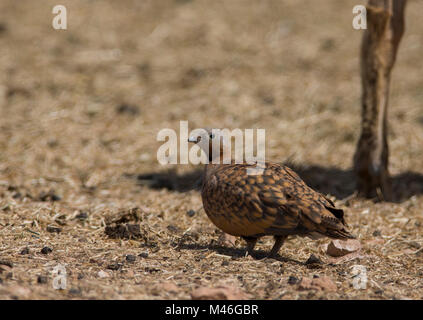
<point>276,202</point>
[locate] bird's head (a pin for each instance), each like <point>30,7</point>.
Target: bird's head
<point>210,141</point>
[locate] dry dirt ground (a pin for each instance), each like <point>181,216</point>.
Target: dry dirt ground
<point>80,110</point>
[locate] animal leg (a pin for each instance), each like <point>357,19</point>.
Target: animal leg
<point>279,240</point>
<point>385,20</point>
<point>251,243</point>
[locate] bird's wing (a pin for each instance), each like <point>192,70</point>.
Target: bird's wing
<point>314,211</point>
<point>234,204</point>
<point>275,202</point>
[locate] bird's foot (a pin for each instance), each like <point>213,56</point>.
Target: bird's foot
<point>251,242</point>
<point>279,240</point>
<point>271,255</point>
<point>253,255</point>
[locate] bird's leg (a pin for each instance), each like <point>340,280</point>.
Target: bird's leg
<point>279,240</point>
<point>251,243</point>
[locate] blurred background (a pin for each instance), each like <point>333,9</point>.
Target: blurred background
<point>94,96</point>
<point>80,110</point>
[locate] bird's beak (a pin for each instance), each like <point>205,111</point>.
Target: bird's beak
<point>193,139</point>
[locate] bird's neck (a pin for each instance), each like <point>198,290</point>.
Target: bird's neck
<point>209,169</point>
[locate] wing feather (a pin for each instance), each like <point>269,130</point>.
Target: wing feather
<point>276,202</point>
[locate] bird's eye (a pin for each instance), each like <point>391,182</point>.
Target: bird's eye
<point>211,135</point>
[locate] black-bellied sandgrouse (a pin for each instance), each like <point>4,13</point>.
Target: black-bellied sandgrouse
<point>276,202</point>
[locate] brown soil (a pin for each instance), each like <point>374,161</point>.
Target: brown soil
<point>80,110</point>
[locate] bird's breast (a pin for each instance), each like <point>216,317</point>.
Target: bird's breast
<point>230,213</point>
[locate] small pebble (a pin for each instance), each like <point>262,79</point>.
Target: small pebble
<point>53,229</point>
<point>46,250</point>
<point>190,213</point>
<point>114,266</point>
<point>82,216</point>
<point>41,279</point>
<point>338,248</point>
<point>377,233</point>
<point>102,274</point>
<point>48,196</point>
<point>128,109</point>
<point>313,260</point>
<point>173,228</point>
<point>130,258</point>
<point>6,263</point>
<point>17,195</point>
<point>75,291</point>
<point>293,280</point>
<point>143,255</point>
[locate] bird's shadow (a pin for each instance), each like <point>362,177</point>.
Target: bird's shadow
<point>327,180</point>
<point>170,180</point>
<point>341,183</point>
<point>234,253</point>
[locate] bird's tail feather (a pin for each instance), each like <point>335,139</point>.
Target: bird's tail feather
<point>339,234</point>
